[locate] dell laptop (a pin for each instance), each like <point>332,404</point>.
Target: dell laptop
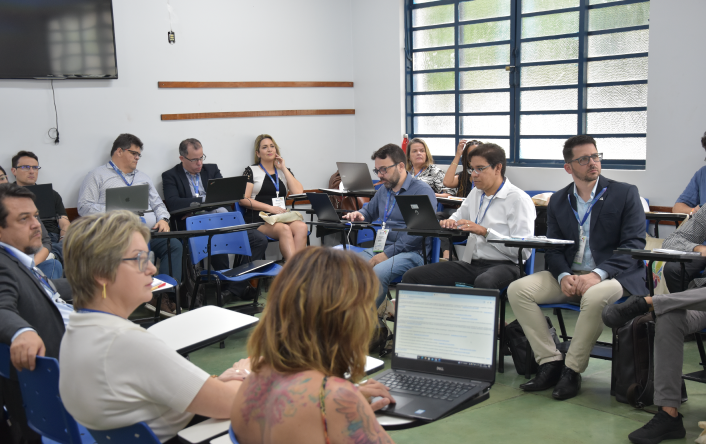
<point>443,358</point>
<point>419,214</point>
<point>226,189</point>
<point>135,198</point>
<point>44,200</point>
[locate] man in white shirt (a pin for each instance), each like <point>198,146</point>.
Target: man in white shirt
<point>495,208</point>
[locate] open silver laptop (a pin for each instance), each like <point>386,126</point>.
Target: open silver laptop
<point>355,178</point>
<point>135,198</point>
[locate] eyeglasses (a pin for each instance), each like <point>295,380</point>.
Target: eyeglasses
<point>478,170</point>
<point>142,258</point>
<point>583,160</point>
<point>202,158</point>
<point>134,153</point>
<point>28,167</point>
<point>382,170</point>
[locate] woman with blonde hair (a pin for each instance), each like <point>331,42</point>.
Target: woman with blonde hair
<point>420,164</point>
<point>267,190</point>
<point>115,373</point>
<point>316,327</point>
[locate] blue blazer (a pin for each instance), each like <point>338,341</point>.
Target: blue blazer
<point>617,221</point>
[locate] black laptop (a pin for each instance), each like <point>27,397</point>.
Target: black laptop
<point>443,358</point>
<point>226,189</point>
<point>419,214</point>
<point>44,200</point>
<point>324,210</point>
<point>135,198</point>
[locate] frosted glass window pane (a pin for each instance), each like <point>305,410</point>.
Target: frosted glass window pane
<point>436,15</point>
<point>485,79</point>
<point>550,149</point>
<point>618,122</point>
<point>441,146</point>
<point>630,42</point>
<point>618,96</point>
<point>433,59</point>
<point>484,56</point>
<point>434,125</point>
<point>621,16</point>
<point>550,75</point>
<point>424,1</point>
<point>596,2</point>
<point>550,50</point>
<point>429,38</point>
<point>437,81</point>
<point>617,70</point>
<point>486,125</point>
<point>484,32</point>
<point>435,103</point>
<point>550,24</point>
<point>548,124</point>
<point>547,5</point>
<point>623,148</point>
<point>483,9</point>
<point>485,102</point>
<point>549,100</point>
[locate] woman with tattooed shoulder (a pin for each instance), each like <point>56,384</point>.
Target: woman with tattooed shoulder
<point>316,327</point>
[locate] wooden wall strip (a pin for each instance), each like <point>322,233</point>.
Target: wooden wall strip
<point>287,112</point>
<point>254,84</point>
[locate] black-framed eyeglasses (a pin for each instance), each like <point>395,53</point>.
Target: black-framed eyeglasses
<point>583,160</point>
<point>142,258</point>
<point>134,153</point>
<point>202,159</point>
<point>478,170</point>
<point>383,170</point>
<point>28,167</point>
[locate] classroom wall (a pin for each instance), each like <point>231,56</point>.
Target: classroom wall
<point>216,40</point>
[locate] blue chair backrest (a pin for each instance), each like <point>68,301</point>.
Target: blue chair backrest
<point>5,361</point>
<point>231,433</point>
<point>231,243</point>
<point>45,411</point>
<point>435,249</point>
<point>139,433</point>
<point>533,193</point>
<point>529,264</point>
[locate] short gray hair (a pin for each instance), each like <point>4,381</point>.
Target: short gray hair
<point>186,143</point>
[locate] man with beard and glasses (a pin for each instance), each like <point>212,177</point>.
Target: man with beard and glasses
<point>401,251</point>
<point>32,313</point>
<point>600,215</point>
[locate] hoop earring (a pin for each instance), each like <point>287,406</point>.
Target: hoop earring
<point>104,295</point>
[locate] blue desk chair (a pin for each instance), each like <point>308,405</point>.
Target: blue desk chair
<point>139,433</point>
<point>45,411</point>
<point>159,293</point>
<point>231,433</point>
<point>231,243</point>
<point>4,373</point>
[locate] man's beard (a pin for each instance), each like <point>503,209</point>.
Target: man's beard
<point>392,181</point>
<point>32,250</point>
<point>587,178</point>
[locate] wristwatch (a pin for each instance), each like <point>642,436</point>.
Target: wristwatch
<point>487,233</point>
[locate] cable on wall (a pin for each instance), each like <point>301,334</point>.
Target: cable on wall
<point>56,116</point>
<point>170,35</point>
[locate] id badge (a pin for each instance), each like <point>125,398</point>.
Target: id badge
<point>279,202</point>
<point>380,240</point>
<point>470,248</point>
<point>578,259</point>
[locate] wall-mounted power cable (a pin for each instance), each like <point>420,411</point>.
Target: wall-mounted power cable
<point>170,35</point>
<point>56,116</point>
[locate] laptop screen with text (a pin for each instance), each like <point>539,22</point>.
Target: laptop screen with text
<point>445,328</point>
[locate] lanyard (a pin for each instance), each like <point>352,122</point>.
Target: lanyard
<point>482,196</point>
<point>120,173</point>
<point>386,215</point>
<point>40,277</point>
<point>588,212</point>
<point>195,183</point>
<point>88,310</point>
<point>420,172</point>
<point>275,181</point>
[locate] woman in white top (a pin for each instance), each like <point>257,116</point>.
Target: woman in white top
<point>114,373</point>
<point>268,183</point>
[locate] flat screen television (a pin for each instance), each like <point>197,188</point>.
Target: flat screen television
<point>46,39</point>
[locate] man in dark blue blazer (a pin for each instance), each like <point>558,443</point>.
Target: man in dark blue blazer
<point>187,182</point>
<point>599,215</point>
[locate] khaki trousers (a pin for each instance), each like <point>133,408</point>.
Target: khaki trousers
<point>543,288</point>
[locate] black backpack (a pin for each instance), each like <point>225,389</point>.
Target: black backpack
<point>520,348</point>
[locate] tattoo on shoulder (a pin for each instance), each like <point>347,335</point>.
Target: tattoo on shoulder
<point>362,427</point>
<point>271,399</point>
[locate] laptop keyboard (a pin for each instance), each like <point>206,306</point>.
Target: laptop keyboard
<point>428,387</point>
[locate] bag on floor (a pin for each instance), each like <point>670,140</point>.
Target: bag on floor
<point>520,347</point>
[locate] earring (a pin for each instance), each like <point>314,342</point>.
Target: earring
<point>104,295</point>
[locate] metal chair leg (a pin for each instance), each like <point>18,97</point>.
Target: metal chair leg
<point>194,292</point>
<point>565,337</point>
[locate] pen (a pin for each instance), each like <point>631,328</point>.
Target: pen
<point>159,286</point>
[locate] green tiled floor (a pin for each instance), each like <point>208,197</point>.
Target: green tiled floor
<point>511,415</point>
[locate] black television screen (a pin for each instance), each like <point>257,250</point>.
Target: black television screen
<point>57,39</point>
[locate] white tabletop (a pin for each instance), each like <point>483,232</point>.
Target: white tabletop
<point>200,327</point>
<point>204,431</point>
<point>225,439</point>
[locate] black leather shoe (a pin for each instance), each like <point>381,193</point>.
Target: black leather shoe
<point>547,377</point>
<point>568,386</point>
<point>617,315</point>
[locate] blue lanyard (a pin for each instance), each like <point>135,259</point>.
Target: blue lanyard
<point>120,173</point>
<point>195,183</point>
<point>588,212</point>
<point>36,274</point>
<point>420,172</point>
<point>275,181</point>
<point>482,197</point>
<point>88,310</point>
<point>386,215</point>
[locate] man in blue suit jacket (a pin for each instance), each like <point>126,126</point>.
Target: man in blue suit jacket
<point>187,182</point>
<point>599,215</point>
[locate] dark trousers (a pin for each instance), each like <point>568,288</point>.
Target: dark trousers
<point>57,246</point>
<point>480,274</point>
<point>159,246</point>
<point>672,274</point>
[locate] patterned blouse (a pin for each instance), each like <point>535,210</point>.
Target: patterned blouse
<point>434,176</point>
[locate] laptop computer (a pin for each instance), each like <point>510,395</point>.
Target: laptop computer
<point>135,198</point>
<point>355,178</point>
<point>249,267</point>
<point>324,210</point>
<point>226,189</point>
<point>419,214</point>
<point>443,358</point>
<point>44,200</point>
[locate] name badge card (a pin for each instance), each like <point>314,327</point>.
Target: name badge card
<point>380,240</point>
<point>578,259</point>
<point>279,202</point>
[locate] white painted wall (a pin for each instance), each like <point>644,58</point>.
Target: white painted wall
<point>216,40</point>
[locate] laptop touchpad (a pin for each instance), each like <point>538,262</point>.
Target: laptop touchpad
<point>401,401</point>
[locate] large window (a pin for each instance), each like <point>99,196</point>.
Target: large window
<point>527,75</point>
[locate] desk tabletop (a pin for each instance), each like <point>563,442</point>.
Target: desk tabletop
<point>348,193</point>
<point>442,232</point>
<point>659,216</point>
<point>532,243</point>
<point>648,255</point>
<point>203,207</point>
